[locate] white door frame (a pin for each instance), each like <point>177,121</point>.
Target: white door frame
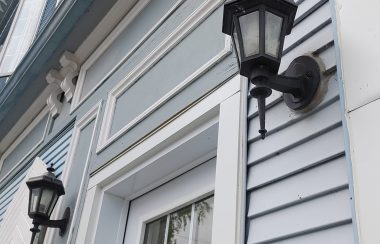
<point>228,106</point>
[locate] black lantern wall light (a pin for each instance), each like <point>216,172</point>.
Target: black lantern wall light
<point>44,192</point>
<point>258,29</point>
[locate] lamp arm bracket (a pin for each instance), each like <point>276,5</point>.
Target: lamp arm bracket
<point>288,84</point>
<point>61,224</point>
<point>299,82</point>
<point>51,223</point>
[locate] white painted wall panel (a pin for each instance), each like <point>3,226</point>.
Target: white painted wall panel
<point>364,134</point>
<point>359,38</point>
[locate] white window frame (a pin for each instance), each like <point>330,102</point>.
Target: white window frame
<point>229,102</point>
<point>10,33</point>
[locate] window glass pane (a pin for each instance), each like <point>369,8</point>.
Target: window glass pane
<point>249,26</point>
<point>53,202</point>
<point>182,225</point>
<point>21,34</point>
<point>273,24</point>
<point>236,43</point>
<point>203,221</point>
<point>179,226</point>
<point>155,232</point>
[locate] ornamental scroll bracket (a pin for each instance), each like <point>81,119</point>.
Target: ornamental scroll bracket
<point>69,71</point>
<point>54,78</point>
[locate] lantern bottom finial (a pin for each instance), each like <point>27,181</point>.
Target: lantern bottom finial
<point>261,93</point>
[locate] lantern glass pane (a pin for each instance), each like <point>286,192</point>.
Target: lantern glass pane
<point>249,26</point>
<point>273,26</point>
<point>34,199</point>
<point>46,198</point>
<point>236,43</point>
<point>55,198</point>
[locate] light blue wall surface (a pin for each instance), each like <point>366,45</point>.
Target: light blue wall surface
<point>269,162</point>
<point>24,148</point>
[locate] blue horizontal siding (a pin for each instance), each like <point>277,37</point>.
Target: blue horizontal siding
<point>55,155</point>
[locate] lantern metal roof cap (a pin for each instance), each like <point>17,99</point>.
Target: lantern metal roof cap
<point>49,180</point>
<point>287,7</point>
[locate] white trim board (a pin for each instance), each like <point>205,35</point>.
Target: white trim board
<point>22,136</point>
<point>114,16</point>
<point>225,101</point>
<point>210,102</point>
<point>91,115</point>
<point>25,120</point>
<point>105,139</point>
<point>133,13</point>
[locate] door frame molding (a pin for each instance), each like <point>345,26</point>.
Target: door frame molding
<point>228,105</point>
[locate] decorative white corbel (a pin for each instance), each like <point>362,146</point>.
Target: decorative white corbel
<point>54,78</point>
<point>54,105</point>
<point>70,68</point>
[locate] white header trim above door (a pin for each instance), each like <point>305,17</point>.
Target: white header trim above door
<point>228,103</point>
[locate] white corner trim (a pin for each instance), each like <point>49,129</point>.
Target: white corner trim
<point>20,138</point>
<point>194,20</point>
<point>91,115</point>
<point>90,216</point>
<point>228,185</point>
<point>242,161</point>
<point>77,101</point>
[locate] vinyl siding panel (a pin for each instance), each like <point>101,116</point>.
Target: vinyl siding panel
<point>55,155</point>
<point>298,182</point>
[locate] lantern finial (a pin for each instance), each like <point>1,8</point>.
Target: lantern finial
<point>50,168</point>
